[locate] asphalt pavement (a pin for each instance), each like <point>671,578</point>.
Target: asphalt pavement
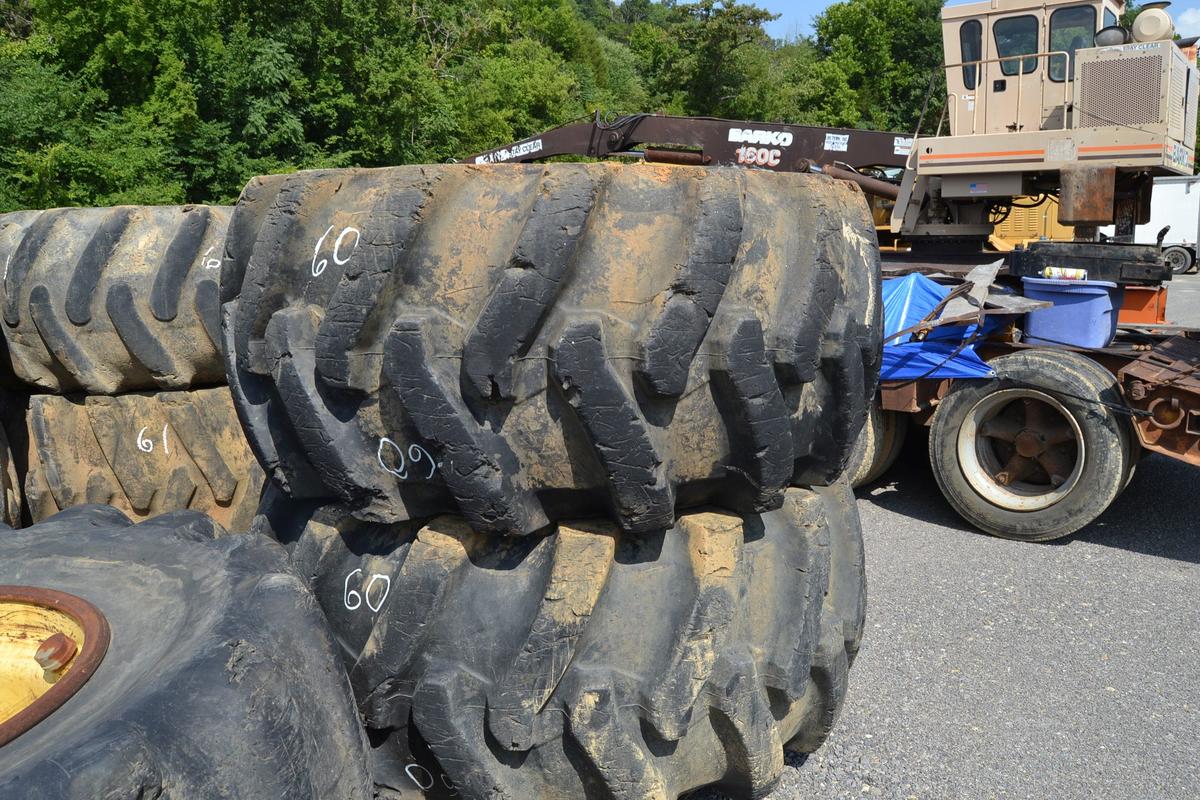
<point>998,669</point>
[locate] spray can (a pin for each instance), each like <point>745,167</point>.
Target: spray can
<point>1065,273</point>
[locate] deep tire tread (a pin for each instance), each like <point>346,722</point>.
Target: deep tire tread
<point>125,318</point>
<point>543,698</point>
<point>572,330</point>
<point>94,451</point>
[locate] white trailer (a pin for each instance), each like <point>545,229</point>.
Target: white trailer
<point>1175,202</point>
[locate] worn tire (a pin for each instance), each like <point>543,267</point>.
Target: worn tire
<point>1104,469</point>
<point>520,344</point>
<point>108,300</point>
<point>587,662</point>
<point>142,453</point>
<point>220,680</point>
<point>878,446</point>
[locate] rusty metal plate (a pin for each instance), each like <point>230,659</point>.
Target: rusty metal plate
<point>912,396</point>
<point>56,621</point>
<point>1087,195</point>
<point>1165,382</point>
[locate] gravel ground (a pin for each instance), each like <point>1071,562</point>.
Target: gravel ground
<point>997,669</point>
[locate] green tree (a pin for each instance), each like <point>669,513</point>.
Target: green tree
<point>169,101</point>
<point>886,51</point>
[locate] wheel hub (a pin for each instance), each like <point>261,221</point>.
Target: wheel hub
<point>1021,450</point>
<point>1030,444</point>
<point>51,642</point>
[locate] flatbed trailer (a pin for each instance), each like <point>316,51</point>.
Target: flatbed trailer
<point>1044,447</point>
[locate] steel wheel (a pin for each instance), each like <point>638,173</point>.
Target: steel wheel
<point>1021,450</point>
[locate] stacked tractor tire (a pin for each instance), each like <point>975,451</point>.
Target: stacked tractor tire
<point>520,481</point>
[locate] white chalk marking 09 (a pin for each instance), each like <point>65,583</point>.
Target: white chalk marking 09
<point>415,454</point>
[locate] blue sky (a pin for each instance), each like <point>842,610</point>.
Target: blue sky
<point>797,16</point>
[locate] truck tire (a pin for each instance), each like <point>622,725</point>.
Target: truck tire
<point>587,662</point>
<point>524,343</point>
<point>108,300</point>
<point>1179,259</point>
<point>220,679</point>
<point>878,446</point>
<point>1032,454</point>
<point>142,453</point>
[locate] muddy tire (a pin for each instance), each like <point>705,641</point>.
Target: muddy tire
<point>588,662</point>
<point>108,300</point>
<point>220,679</point>
<point>878,446</point>
<point>144,454</point>
<point>1030,454</point>
<point>520,344</point>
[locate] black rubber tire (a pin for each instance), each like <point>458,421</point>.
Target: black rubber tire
<point>843,615</point>
<point>1066,377</point>
<point>12,427</point>
<point>142,453</point>
<point>878,446</point>
<point>532,342</point>
<point>586,662</point>
<point>108,300</point>
<point>1179,259</point>
<point>221,678</point>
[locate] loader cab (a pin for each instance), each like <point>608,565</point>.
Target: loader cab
<point>1010,64</point>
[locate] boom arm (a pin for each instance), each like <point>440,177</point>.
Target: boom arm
<point>709,141</point>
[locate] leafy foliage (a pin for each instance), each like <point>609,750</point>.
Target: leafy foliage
<point>171,101</point>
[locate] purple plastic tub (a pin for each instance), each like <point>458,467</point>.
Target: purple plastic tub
<point>1084,312</point>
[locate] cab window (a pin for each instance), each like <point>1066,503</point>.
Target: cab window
<point>1070,29</point>
<point>970,37</point>
<point>1110,18</point>
<point>1016,36</point>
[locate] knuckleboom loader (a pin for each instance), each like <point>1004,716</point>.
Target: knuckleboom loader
<point>1051,99</point>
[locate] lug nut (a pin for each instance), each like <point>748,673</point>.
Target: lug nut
<point>55,652</point>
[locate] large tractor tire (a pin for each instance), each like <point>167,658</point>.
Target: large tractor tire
<point>587,662</point>
<point>1036,453</point>
<point>526,343</point>
<point>220,678</point>
<point>108,300</point>
<point>142,453</point>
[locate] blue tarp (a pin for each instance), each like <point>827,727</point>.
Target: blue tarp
<point>906,301</point>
